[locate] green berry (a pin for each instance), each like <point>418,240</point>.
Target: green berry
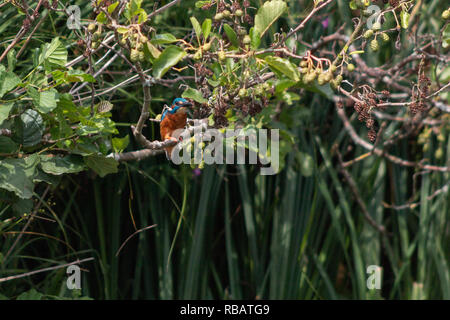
<point>242,92</point>
<point>328,76</point>
<point>221,55</point>
<point>374,45</point>
<point>242,32</point>
<point>385,37</point>
<point>446,14</point>
<point>368,34</point>
<point>350,67</point>
<point>226,13</point>
<point>333,68</point>
<point>141,56</point>
<point>96,35</point>
<point>321,79</point>
<point>338,79</point>
<point>304,70</point>
<point>94,45</point>
<point>134,55</point>
<point>239,13</point>
<point>218,17</point>
<point>376,26</point>
<point>246,40</point>
<point>91,27</point>
<point>303,63</point>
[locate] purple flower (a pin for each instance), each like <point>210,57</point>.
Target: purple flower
<point>197,172</point>
<point>325,23</point>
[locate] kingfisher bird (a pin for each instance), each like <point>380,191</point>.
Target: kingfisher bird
<point>172,119</point>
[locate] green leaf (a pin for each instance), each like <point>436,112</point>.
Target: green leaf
<point>268,14</point>
<point>152,50</point>
<point>200,4</point>
<point>194,95</point>
<point>53,56</point>
<point>60,165</point>
<point>101,164</point>
<point>16,175</point>
<point>168,58</point>
<point>231,35</point>
<point>30,295</point>
<point>101,18</point>
<point>29,128</point>
<point>12,60</point>
<point>44,101</point>
<point>22,206</point>
<point>5,109</point>
<point>255,38</point>
<point>112,7</point>
<point>8,81</point>
<point>7,145</point>
<point>61,77</point>
<point>163,38</point>
<point>197,28</point>
<point>120,144</point>
<point>142,16</point>
<point>284,66</point>
<point>404,19</point>
<point>206,28</point>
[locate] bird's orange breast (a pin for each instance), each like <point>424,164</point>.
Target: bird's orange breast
<point>172,122</point>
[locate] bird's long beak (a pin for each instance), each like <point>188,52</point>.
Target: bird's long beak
<point>187,104</point>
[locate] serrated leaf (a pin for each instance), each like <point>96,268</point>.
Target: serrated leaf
<point>268,14</point>
<point>284,66</point>
<point>101,164</point>
<point>8,81</point>
<point>168,58</point>
<point>206,28</point>
<point>120,144</point>
<point>194,94</point>
<point>53,56</point>
<point>7,145</point>
<point>61,165</point>
<point>231,35</point>
<point>44,101</point>
<point>29,128</point>
<point>5,109</point>
<point>16,175</point>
